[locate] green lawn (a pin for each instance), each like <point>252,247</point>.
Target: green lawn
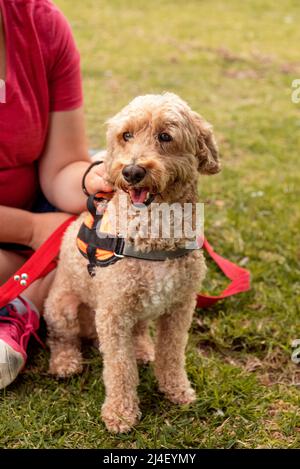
<point>234,62</point>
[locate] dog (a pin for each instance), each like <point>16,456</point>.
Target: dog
<point>156,149</point>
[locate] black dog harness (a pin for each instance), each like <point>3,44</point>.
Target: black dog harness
<point>101,248</point>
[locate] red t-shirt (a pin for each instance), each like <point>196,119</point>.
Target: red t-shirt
<point>42,76</point>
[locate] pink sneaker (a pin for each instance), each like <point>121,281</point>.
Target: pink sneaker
<point>18,320</point>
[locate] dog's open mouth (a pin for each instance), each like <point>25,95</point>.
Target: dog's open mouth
<point>140,195</point>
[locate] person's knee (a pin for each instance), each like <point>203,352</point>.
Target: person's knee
<point>9,263</point>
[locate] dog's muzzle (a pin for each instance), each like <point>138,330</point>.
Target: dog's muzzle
<point>133,173</point>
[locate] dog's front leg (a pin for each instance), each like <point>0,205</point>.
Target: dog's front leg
<point>171,340</point>
<point>120,410</point>
<point>61,315</point>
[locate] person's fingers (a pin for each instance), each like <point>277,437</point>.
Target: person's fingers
<point>96,180</point>
<point>105,186</point>
<point>100,169</point>
<point>104,175</point>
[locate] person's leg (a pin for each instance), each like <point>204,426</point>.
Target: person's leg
<point>19,317</point>
<point>10,262</point>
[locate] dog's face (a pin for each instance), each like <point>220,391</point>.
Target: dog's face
<point>157,142</point>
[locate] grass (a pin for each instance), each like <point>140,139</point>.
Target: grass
<point>234,62</point>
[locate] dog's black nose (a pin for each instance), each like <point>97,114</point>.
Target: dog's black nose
<point>133,173</point>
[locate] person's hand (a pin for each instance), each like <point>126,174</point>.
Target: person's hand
<point>96,180</point>
<point>43,225</point>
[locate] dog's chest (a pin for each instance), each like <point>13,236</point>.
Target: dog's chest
<point>145,288</point>
<point>159,286</point>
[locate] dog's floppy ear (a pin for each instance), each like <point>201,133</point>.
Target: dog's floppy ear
<point>206,147</point>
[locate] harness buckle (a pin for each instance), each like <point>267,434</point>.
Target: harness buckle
<point>119,247</point>
<point>91,268</point>
<point>119,255</point>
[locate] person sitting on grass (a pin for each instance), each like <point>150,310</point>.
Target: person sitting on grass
<point>43,154</point>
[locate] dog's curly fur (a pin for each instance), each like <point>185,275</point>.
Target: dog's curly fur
<point>123,297</point>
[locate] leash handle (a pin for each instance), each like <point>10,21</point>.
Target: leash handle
<point>240,278</point>
<point>38,265</point>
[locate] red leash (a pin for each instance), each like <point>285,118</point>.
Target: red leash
<point>240,278</point>
<point>38,265</point>
<point>44,260</point>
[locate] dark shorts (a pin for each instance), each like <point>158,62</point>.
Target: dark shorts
<point>41,205</point>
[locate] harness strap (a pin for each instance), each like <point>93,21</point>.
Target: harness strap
<point>93,238</point>
<point>91,255</point>
<point>91,206</point>
<point>156,255</point>
<point>118,246</point>
<point>84,231</point>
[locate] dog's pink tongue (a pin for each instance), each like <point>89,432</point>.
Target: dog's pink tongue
<point>138,196</point>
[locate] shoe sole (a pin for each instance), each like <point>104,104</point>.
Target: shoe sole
<point>11,362</point>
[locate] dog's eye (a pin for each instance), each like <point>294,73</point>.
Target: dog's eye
<point>127,136</point>
<point>164,137</point>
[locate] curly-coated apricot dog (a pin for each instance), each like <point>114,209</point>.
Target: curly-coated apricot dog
<point>156,148</point>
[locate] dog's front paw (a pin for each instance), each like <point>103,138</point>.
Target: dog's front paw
<point>66,363</point>
<point>120,416</point>
<point>184,395</point>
